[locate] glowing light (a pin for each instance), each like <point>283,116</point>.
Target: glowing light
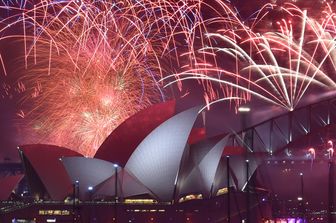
<point>140,201</point>
<point>330,149</point>
<point>244,109</point>
<point>311,152</point>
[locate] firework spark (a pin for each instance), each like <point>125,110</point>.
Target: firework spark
<point>89,65</point>
<point>278,66</point>
<point>87,68</point>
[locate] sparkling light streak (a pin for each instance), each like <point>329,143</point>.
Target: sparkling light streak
<point>88,65</point>
<point>279,66</point>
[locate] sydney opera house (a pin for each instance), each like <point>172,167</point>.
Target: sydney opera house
<point>166,165</point>
<point>170,170</point>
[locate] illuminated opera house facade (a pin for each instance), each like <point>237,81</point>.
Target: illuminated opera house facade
<point>159,166</point>
<point>154,163</point>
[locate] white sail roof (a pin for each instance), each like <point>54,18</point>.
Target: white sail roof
<point>156,160</point>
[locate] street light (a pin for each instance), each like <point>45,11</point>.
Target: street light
<point>246,137</point>
<point>116,190</point>
<point>247,192</point>
<point>300,198</point>
<point>75,191</point>
<point>90,190</point>
<point>116,182</point>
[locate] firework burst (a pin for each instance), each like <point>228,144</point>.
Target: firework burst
<point>279,66</point>
<point>88,65</point>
